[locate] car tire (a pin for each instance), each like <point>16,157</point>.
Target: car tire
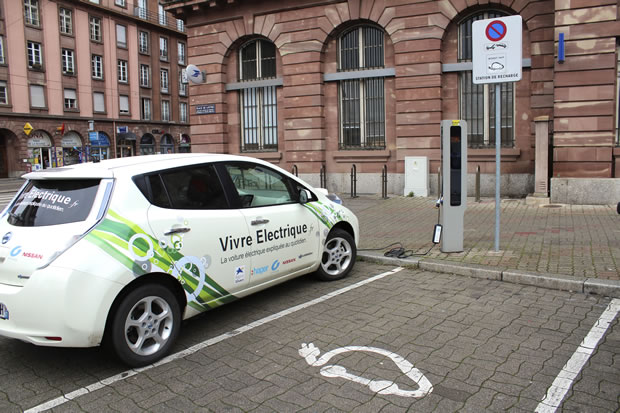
<point>338,256</point>
<point>145,325</point>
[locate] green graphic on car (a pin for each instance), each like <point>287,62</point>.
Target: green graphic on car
<point>325,213</point>
<point>141,253</point>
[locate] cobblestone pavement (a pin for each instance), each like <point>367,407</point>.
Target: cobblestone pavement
<point>483,345</point>
<point>573,240</point>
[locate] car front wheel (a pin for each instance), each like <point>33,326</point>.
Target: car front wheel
<point>145,325</point>
<point>338,256</point>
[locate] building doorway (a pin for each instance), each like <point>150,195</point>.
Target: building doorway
<point>125,148</point>
<point>4,167</point>
<point>40,150</point>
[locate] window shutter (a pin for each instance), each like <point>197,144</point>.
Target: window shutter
<point>99,102</point>
<point>37,96</point>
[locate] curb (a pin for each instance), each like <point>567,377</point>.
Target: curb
<point>561,282</point>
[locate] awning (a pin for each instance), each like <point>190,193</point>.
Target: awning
<point>128,136</point>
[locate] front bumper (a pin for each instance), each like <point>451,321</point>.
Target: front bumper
<point>58,302</point>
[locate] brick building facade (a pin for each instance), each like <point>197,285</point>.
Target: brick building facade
<point>311,84</point>
<point>84,80</point>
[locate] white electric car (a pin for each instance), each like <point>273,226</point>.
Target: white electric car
<point>124,249</point>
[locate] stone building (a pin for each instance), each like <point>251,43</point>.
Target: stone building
<point>322,85</point>
<point>89,79</point>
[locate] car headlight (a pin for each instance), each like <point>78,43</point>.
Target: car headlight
<point>334,198</point>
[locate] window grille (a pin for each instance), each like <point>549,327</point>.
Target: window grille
<point>258,105</point>
<point>362,100</point>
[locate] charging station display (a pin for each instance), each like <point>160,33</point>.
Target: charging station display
<point>455,165</point>
<point>454,183</point>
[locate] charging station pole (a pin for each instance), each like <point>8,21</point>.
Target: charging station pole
<point>454,183</point>
<point>497,58</point>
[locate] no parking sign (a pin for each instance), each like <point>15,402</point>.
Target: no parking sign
<point>496,46</point>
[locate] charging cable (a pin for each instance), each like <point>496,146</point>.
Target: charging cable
<point>396,250</point>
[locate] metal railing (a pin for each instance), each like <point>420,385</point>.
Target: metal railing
<point>163,20</point>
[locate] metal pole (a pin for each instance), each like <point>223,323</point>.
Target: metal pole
<point>353,181</point>
<point>498,144</point>
<point>478,183</point>
<point>384,182</point>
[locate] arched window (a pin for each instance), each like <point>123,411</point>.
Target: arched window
<point>166,144</point>
<point>147,144</point>
<point>258,104</point>
<point>477,102</point>
<point>257,60</point>
<point>362,99</point>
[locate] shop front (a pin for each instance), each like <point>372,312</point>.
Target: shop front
<point>41,153</point>
<point>185,144</point>
<point>126,145</point>
<point>99,146</point>
<point>167,144</point>
<point>147,144</point>
<point>72,149</point>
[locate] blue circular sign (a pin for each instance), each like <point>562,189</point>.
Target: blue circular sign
<point>496,30</point>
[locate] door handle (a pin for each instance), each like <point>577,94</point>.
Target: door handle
<point>259,221</point>
<point>180,230</point>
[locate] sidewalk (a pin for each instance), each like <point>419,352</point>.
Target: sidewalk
<point>569,247</point>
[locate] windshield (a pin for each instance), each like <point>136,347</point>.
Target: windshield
<point>53,202</point>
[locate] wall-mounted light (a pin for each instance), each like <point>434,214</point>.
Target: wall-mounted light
<point>561,48</point>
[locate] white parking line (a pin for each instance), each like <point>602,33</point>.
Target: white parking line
<point>564,380</point>
<point>197,347</point>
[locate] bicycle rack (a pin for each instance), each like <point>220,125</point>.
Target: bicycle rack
<point>478,183</point>
<point>384,179</point>
<point>353,181</point>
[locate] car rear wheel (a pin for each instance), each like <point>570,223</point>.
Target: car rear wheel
<point>145,325</point>
<point>338,256</point>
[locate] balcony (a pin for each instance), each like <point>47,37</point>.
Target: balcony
<point>162,20</point>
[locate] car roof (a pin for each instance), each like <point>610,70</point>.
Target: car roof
<point>130,166</point>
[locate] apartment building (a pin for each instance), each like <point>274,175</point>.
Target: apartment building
<point>87,80</point>
<point>325,85</point>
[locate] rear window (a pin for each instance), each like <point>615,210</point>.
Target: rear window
<point>53,202</point>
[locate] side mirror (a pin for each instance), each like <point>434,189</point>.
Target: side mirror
<point>304,195</point>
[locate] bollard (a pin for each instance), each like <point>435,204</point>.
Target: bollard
<point>478,183</point>
<point>295,171</point>
<point>353,181</point>
<point>322,177</point>
<point>384,182</point>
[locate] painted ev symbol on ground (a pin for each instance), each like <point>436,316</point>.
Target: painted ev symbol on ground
<point>311,353</point>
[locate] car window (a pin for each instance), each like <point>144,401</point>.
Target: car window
<point>258,185</point>
<point>197,187</point>
<point>54,202</point>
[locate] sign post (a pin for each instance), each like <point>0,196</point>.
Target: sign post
<point>496,58</point>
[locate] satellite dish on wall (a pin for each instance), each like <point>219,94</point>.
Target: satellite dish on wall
<point>194,74</point>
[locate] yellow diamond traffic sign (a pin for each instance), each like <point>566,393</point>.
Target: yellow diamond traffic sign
<point>28,128</point>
